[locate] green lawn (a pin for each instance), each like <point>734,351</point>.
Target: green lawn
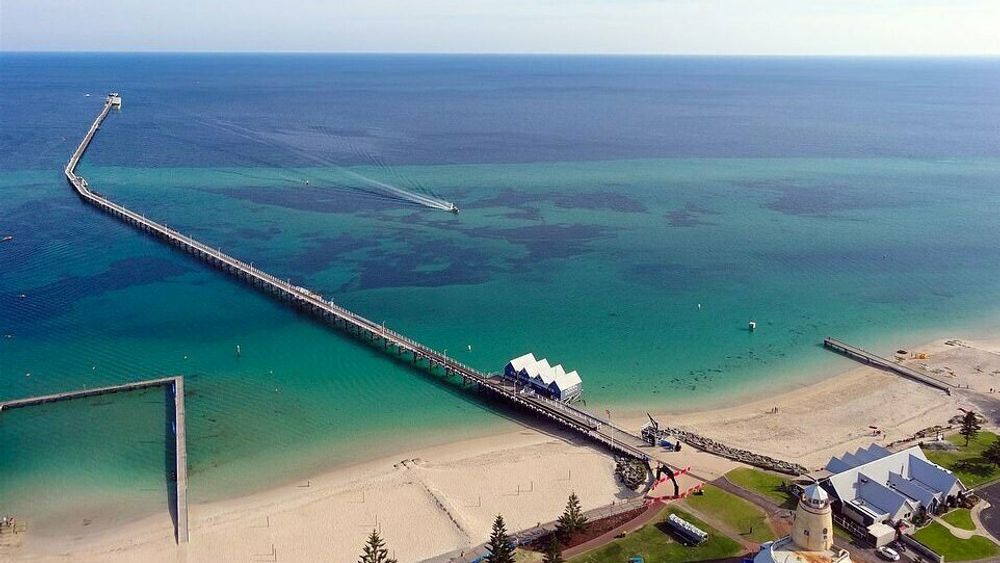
<point>656,544</point>
<point>967,462</point>
<point>737,513</point>
<point>960,518</point>
<point>938,538</point>
<point>762,483</point>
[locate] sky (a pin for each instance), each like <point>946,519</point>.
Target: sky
<point>681,27</point>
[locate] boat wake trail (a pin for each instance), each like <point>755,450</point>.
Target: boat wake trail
<point>368,185</point>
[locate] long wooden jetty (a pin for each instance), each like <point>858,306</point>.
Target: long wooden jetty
<point>176,384</point>
<point>591,426</point>
<point>866,357</point>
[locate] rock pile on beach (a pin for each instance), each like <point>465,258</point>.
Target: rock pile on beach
<point>743,456</point>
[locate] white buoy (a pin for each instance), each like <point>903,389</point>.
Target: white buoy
<point>699,306</point>
<point>470,347</point>
<point>238,353</point>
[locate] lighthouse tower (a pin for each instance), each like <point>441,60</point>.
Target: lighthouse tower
<point>813,528</point>
<point>811,540</point>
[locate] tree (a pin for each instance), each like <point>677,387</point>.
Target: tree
<point>992,453</point>
<point>375,551</point>
<point>553,553</point>
<point>572,519</point>
<point>501,551</point>
<point>970,427</point>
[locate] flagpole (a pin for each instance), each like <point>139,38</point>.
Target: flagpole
<point>611,424</point>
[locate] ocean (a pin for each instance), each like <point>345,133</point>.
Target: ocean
<point>623,216</point>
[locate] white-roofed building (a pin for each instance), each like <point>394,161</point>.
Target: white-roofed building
<point>552,381</point>
<point>567,386</point>
<point>877,488</point>
<point>517,368</point>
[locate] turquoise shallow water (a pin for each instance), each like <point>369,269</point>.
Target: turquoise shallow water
<point>543,258</point>
<point>568,246</point>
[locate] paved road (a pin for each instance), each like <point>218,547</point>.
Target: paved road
<point>990,517</point>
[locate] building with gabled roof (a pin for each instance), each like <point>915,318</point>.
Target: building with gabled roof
<point>552,381</point>
<point>877,488</point>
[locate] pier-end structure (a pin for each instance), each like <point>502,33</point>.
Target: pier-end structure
<point>176,384</point>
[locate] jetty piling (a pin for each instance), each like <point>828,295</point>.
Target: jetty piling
<point>588,425</point>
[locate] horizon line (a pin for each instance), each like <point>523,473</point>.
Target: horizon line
<point>509,53</point>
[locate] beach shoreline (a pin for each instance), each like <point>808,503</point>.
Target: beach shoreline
<point>441,498</point>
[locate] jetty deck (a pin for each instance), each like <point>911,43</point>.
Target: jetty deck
<point>866,357</point>
<point>592,427</point>
<point>176,384</point>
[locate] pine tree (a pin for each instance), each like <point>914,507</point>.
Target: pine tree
<point>572,519</point>
<point>992,453</point>
<point>375,551</point>
<point>970,427</point>
<point>553,553</point>
<point>500,548</point>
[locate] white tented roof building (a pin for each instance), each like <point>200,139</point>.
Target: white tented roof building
<point>875,485</point>
<point>520,364</point>
<point>550,380</point>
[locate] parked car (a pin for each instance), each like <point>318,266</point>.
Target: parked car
<point>887,553</point>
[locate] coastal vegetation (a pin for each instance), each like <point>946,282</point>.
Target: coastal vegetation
<point>736,513</point>
<point>968,461</point>
<point>941,540</point>
<point>763,483</point>
<point>960,518</point>
<point>553,553</point>
<point>992,453</point>
<point>572,519</point>
<point>970,426</point>
<point>654,542</point>
<point>375,550</point>
<point>500,547</point>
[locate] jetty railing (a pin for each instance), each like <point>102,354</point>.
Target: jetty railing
<point>579,421</point>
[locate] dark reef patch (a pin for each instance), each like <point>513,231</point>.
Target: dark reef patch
<point>58,297</point>
<point>689,216</point>
<point>320,252</point>
<point>426,263</point>
<point>546,242</point>
<point>822,200</point>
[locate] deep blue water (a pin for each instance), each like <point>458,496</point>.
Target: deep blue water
<point>481,109</point>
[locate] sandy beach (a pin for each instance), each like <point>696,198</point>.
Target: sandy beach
<point>444,498</point>
<point>832,416</point>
